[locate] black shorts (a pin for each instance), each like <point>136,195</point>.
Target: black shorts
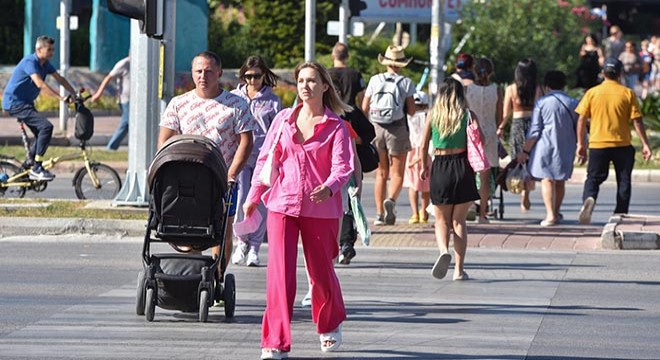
<point>452,180</point>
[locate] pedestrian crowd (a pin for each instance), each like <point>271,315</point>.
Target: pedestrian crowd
<point>300,168</point>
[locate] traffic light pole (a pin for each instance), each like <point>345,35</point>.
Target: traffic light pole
<point>437,55</point>
<point>152,86</point>
<point>310,31</point>
<point>344,21</point>
<point>65,47</point>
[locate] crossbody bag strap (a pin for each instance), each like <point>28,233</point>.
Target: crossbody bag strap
<point>277,137</point>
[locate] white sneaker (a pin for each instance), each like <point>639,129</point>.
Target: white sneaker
<point>587,208</point>
<point>252,258</point>
<point>40,175</point>
<point>307,300</point>
<point>380,220</point>
<point>239,254</point>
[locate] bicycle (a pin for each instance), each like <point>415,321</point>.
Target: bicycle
<point>92,181</point>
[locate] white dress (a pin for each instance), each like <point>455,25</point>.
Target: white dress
<point>483,101</point>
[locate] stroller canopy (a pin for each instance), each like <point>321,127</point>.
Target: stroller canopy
<point>190,148</point>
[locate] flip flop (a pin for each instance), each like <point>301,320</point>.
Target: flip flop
<point>273,354</point>
<point>441,265</point>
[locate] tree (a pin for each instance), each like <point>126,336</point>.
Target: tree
<point>506,31</point>
<point>11,24</point>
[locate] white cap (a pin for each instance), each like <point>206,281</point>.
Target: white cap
<point>421,98</point>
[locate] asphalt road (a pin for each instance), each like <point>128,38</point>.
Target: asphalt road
<point>72,297</point>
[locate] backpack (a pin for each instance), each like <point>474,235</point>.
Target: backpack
<point>84,123</point>
<point>387,103</point>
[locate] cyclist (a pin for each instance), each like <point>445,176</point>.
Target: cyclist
<point>23,87</point>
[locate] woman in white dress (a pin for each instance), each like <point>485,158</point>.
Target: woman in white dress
<point>485,99</point>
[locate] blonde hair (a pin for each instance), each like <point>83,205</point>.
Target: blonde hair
<point>330,98</point>
<point>449,108</point>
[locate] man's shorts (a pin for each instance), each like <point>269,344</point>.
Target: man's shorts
<point>231,209</point>
<point>393,138</point>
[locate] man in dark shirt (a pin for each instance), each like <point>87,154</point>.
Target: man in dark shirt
<point>350,86</point>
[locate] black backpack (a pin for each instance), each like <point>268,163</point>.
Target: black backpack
<point>84,123</point>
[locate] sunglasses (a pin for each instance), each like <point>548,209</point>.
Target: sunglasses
<point>252,76</point>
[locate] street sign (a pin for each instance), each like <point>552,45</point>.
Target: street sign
<point>73,22</point>
<point>333,27</point>
<point>407,11</point>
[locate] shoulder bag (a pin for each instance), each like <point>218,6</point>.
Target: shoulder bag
<point>269,173</point>
<point>475,146</point>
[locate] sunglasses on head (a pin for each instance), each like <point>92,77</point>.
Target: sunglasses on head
<point>252,76</point>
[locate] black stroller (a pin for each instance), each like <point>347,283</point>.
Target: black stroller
<point>188,210</point>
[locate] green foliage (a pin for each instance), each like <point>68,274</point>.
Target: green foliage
<point>287,94</point>
<point>13,14</point>
<point>506,31</point>
<point>67,209</point>
<point>51,103</point>
<point>99,154</point>
<point>651,110</point>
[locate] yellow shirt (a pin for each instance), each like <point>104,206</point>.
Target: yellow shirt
<point>611,107</point>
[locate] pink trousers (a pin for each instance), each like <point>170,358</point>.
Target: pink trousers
<point>319,239</point>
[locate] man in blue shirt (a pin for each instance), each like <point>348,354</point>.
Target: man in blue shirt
<point>23,87</point>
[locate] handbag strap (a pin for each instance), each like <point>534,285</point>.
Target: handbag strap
<point>277,136</point>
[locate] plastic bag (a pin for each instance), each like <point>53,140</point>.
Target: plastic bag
<point>361,223</point>
<point>515,178</point>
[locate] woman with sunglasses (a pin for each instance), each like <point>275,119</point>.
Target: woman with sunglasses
<point>256,87</point>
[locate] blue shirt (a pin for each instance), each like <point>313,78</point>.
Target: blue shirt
<point>553,124</point>
<point>21,89</point>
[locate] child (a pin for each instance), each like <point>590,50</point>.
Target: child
<point>412,178</point>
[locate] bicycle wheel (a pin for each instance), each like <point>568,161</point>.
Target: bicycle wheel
<point>11,191</point>
<point>109,181</point>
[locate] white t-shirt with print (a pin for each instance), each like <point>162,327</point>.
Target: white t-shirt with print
<point>220,119</point>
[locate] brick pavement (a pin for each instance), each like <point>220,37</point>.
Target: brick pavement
<point>503,235</point>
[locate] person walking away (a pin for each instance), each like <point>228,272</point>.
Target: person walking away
<point>418,188</point>
<point>24,86</point>
<point>313,159</point>
<point>453,186</point>
<point>464,65</point>
<point>122,72</point>
<point>256,87</point>
<point>519,99</point>
<point>610,108</point>
<point>631,65</point>
<point>485,99</point>
<point>591,60</point>
<point>388,98</point>
<point>219,115</point>
<point>614,44</point>
<point>551,144</point>
<point>350,87</point>
<point>646,60</point>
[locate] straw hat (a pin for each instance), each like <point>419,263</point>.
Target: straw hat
<point>394,56</point>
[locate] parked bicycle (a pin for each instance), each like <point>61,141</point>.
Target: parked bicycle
<point>92,181</point>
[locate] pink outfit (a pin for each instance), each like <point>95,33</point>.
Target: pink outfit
<point>325,158</point>
<point>411,177</point>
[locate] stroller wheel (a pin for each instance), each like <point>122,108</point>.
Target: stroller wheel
<point>229,295</point>
<point>203,305</point>
<point>150,304</point>
<point>139,299</point>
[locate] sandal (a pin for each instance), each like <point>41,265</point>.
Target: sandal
<point>441,266</point>
<point>413,220</point>
<point>275,354</point>
<point>333,337</point>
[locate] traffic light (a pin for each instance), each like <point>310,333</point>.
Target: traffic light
<point>149,12</point>
<point>355,6</point>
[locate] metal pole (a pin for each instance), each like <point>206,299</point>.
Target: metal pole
<point>344,22</point>
<point>436,56</point>
<point>413,33</point>
<point>310,31</point>
<point>64,58</point>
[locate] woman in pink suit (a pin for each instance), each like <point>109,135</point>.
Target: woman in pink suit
<point>314,158</point>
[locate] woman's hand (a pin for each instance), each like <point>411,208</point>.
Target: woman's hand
<point>248,208</point>
<point>424,174</point>
<point>522,157</point>
<point>320,194</point>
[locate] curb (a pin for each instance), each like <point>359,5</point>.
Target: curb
<point>11,226</point>
<point>614,239</point>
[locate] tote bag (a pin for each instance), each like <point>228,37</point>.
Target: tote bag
<point>269,173</point>
<point>475,146</point>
